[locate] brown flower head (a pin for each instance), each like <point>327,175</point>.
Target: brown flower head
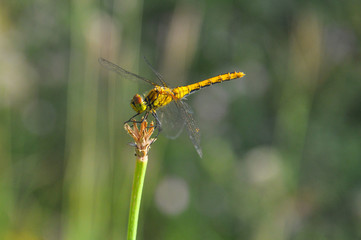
<point>142,137</point>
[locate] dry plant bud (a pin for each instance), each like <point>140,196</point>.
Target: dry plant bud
<point>142,138</point>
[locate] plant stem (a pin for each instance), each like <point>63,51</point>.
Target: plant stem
<point>142,140</point>
<point>137,189</point>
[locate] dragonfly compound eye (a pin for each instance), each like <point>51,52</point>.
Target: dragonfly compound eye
<point>138,104</point>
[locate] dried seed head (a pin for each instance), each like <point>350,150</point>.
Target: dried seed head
<point>142,137</point>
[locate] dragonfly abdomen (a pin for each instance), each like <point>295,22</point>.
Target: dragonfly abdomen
<point>183,91</point>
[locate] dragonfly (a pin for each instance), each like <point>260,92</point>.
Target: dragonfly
<point>168,102</point>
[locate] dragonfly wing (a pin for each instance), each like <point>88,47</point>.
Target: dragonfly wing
<point>171,120</point>
<point>192,126</point>
<point>122,72</point>
<point>159,76</point>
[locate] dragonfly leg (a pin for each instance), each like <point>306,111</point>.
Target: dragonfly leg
<point>158,124</point>
<point>145,117</point>
<point>132,119</point>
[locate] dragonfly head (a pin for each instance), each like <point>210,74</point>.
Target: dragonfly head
<point>138,103</point>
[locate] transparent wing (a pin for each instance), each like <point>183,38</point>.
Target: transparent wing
<point>171,120</point>
<point>122,72</point>
<point>159,76</point>
<point>192,126</point>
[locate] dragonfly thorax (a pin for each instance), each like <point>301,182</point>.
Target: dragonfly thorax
<point>158,97</point>
<point>138,103</point>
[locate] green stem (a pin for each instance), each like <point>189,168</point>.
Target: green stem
<point>137,189</point>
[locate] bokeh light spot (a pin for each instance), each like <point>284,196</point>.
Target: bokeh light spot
<point>172,196</point>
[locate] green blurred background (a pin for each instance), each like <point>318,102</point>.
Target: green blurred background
<point>282,146</point>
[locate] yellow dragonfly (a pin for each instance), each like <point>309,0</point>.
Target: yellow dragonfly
<point>169,102</point>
